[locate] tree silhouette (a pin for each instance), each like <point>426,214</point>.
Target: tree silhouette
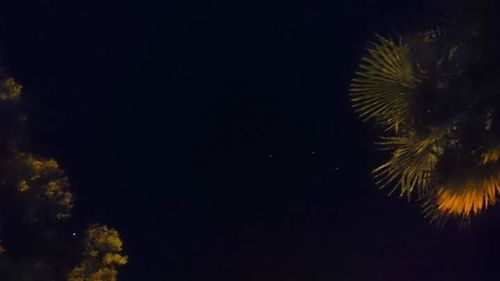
<point>36,203</point>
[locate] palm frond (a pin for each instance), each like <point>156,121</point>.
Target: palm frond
<point>385,83</point>
<point>412,163</point>
<point>464,200</point>
<point>491,156</point>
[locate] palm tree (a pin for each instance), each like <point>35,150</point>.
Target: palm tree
<point>438,118</point>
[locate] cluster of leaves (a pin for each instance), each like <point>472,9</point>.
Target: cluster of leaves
<point>36,203</point>
<point>103,248</point>
<point>10,90</point>
<point>430,94</point>
<point>44,184</point>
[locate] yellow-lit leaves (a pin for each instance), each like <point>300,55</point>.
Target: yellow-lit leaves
<point>22,186</point>
<point>114,259</point>
<point>102,238</point>
<point>10,90</point>
<point>45,182</point>
<point>58,193</point>
<point>42,195</point>
<point>102,274</point>
<point>40,167</point>
<point>103,247</point>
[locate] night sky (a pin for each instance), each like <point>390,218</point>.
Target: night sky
<point>218,137</point>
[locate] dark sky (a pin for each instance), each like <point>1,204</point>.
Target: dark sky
<point>217,137</point>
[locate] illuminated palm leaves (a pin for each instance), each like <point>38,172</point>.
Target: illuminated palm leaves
<point>385,83</point>
<point>491,156</point>
<point>471,198</point>
<point>434,154</point>
<point>384,90</point>
<point>412,162</point>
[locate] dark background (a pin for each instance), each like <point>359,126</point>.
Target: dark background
<point>217,137</point>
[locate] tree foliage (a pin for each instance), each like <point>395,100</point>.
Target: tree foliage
<point>102,256</point>
<point>36,203</point>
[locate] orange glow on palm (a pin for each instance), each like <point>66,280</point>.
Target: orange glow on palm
<point>472,198</point>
